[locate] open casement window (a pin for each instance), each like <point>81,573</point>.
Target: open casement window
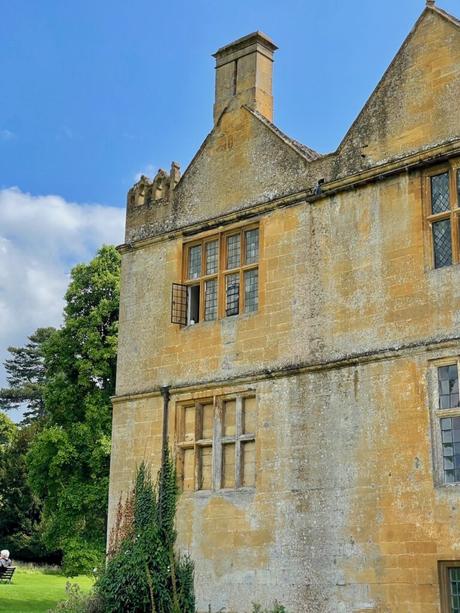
<point>449,586</point>
<point>442,193</point>
<point>221,277</point>
<point>216,443</point>
<point>179,304</point>
<point>446,420</point>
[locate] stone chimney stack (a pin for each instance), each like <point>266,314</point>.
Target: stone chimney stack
<point>244,75</point>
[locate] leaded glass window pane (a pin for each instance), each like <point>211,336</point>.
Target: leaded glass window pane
<point>232,294</point>
<point>448,386</point>
<point>442,243</point>
<point>251,290</point>
<point>194,262</point>
<point>233,251</point>
<point>440,193</point>
<point>252,246</point>
<point>450,437</point>
<point>212,255</point>
<point>210,303</point>
<point>454,584</point>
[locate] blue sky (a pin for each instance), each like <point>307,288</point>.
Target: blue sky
<point>96,92</point>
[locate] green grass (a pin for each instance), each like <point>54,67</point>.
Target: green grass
<point>36,591</point>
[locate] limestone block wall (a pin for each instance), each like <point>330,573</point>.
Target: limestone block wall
<point>136,437</point>
<point>346,275</point>
<point>345,515</point>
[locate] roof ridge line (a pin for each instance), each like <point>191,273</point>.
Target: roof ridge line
<point>309,154</point>
<point>445,14</point>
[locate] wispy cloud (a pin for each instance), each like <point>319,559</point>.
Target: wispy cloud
<point>64,133</point>
<point>41,238</point>
<point>149,170</point>
<point>7,135</point>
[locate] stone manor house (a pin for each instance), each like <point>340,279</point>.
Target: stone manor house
<point>290,328</point>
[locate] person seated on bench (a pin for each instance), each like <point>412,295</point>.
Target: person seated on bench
<point>5,561</point>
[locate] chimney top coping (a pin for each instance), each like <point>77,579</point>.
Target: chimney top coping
<point>246,41</point>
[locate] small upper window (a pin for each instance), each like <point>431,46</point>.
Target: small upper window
<point>233,250</point>
<point>444,215</point>
<point>194,262</point>
<point>440,193</point>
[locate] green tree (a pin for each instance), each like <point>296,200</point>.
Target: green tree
<point>26,374</point>
<point>19,508</point>
<point>7,432</point>
<point>69,459</point>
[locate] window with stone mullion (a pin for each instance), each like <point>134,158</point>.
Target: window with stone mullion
<point>202,268</point>
<point>443,215</point>
<point>241,273</point>
<point>216,443</point>
<point>233,441</point>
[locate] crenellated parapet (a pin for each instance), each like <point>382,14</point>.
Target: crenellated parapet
<point>150,201</point>
<point>161,187</point>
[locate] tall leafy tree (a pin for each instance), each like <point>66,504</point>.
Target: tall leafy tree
<point>69,459</point>
<point>19,507</point>
<point>26,374</point>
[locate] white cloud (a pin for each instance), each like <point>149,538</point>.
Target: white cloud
<point>41,238</point>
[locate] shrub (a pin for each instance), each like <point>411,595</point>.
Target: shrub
<point>76,602</point>
<point>143,572</point>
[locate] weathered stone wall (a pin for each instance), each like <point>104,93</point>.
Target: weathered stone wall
<point>344,516</point>
<point>343,276</point>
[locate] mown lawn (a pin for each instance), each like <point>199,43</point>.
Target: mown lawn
<point>37,591</point>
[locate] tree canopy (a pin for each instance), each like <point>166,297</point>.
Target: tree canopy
<point>68,461</point>
<point>19,507</point>
<point>26,374</point>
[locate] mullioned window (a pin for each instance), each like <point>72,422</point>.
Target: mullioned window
<point>216,443</point>
<point>221,277</point>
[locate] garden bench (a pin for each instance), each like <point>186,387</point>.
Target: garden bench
<point>7,574</point>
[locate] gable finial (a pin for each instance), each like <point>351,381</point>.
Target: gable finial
<point>430,2</point>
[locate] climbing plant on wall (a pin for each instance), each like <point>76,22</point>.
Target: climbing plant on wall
<point>144,573</point>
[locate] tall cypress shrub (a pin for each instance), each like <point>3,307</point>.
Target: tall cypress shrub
<point>144,573</point>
